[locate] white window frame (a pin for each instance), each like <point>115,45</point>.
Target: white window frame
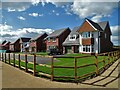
<point>54,39</point>
<point>87,35</point>
<point>48,39</point>
<point>72,36</point>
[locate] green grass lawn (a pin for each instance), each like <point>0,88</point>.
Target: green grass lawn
<point>69,62</point>
<point>41,53</point>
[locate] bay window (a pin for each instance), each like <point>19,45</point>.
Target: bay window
<point>88,48</point>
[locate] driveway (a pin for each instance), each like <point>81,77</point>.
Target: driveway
<point>39,59</point>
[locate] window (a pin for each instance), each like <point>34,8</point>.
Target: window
<point>86,48</point>
<point>54,39</point>
<point>48,39</point>
<point>52,47</point>
<point>92,34</point>
<point>72,37</point>
<point>92,48</point>
<point>105,35</point>
<point>86,34</point>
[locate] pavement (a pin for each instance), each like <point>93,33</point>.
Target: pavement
<point>15,78</point>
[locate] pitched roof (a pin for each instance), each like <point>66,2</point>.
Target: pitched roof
<point>6,43</point>
<point>35,38</point>
<point>94,25</point>
<point>57,33</point>
<point>24,39</point>
<point>67,42</point>
<point>103,24</point>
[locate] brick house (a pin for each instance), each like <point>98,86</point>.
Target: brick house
<point>15,46</point>
<point>24,44</point>
<point>71,44</point>
<point>55,39</point>
<point>94,37</point>
<point>19,45</point>
<point>5,45</point>
<point>37,44</point>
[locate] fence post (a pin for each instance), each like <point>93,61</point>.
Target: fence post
<point>52,69</point>
<point>9,58</point>
<point>19,60</point>
<point>109,58</point>
<point>104,64</point>
<point>34,65</point>
<point>5,57</point>
<point>112,57</point>
<point>117,55</point>
<point>96,63</point>
<point>75,68</point>
<point>26,62</point>
<point>2,57</point>
<point>13,59</point>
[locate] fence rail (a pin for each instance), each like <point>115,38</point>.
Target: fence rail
<point>11,59</point>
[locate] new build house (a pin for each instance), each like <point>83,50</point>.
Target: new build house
<point>15,46</point>
<point>71,44</point>
<point>24,44</point>
<point>37,44</point>
<point>55,39</point>
<point>94,37</point>
<point>5,45</point>
<point>19,45</point>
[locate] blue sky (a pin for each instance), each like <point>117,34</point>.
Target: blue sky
<point>22,19</point>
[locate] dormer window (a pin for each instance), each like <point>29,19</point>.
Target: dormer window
<point>48,39</point>
<point>72,37</point>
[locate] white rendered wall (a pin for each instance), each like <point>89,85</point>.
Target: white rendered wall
<point>95,42</point>
<point>95,34</point>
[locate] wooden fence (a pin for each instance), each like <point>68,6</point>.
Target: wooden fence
<point>115,55</point>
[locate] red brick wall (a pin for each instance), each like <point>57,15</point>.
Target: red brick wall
<point>105,43</point>
<point>41,45</point>
<point>17,46</point>
<point>59,40</point>
<point>51,43</point>
<point>33,44</point>
<point>62,38</point>
<point>11,47</point>
<point>85,27</point>
<point>87,41</point>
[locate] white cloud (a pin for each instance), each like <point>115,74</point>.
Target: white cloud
<point>96,18</point>
<point>21,18</point>
<point>53,11</point>
<point>115,34</point>
<point>8,33</point>
<point>15,6</point>
<point>11,10</point>
<point>97,9</point>
<point>57,3</point>
<point>115,30</point>
<point>35,14</point>
<point>87,8</point>
<point>57,14</point>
